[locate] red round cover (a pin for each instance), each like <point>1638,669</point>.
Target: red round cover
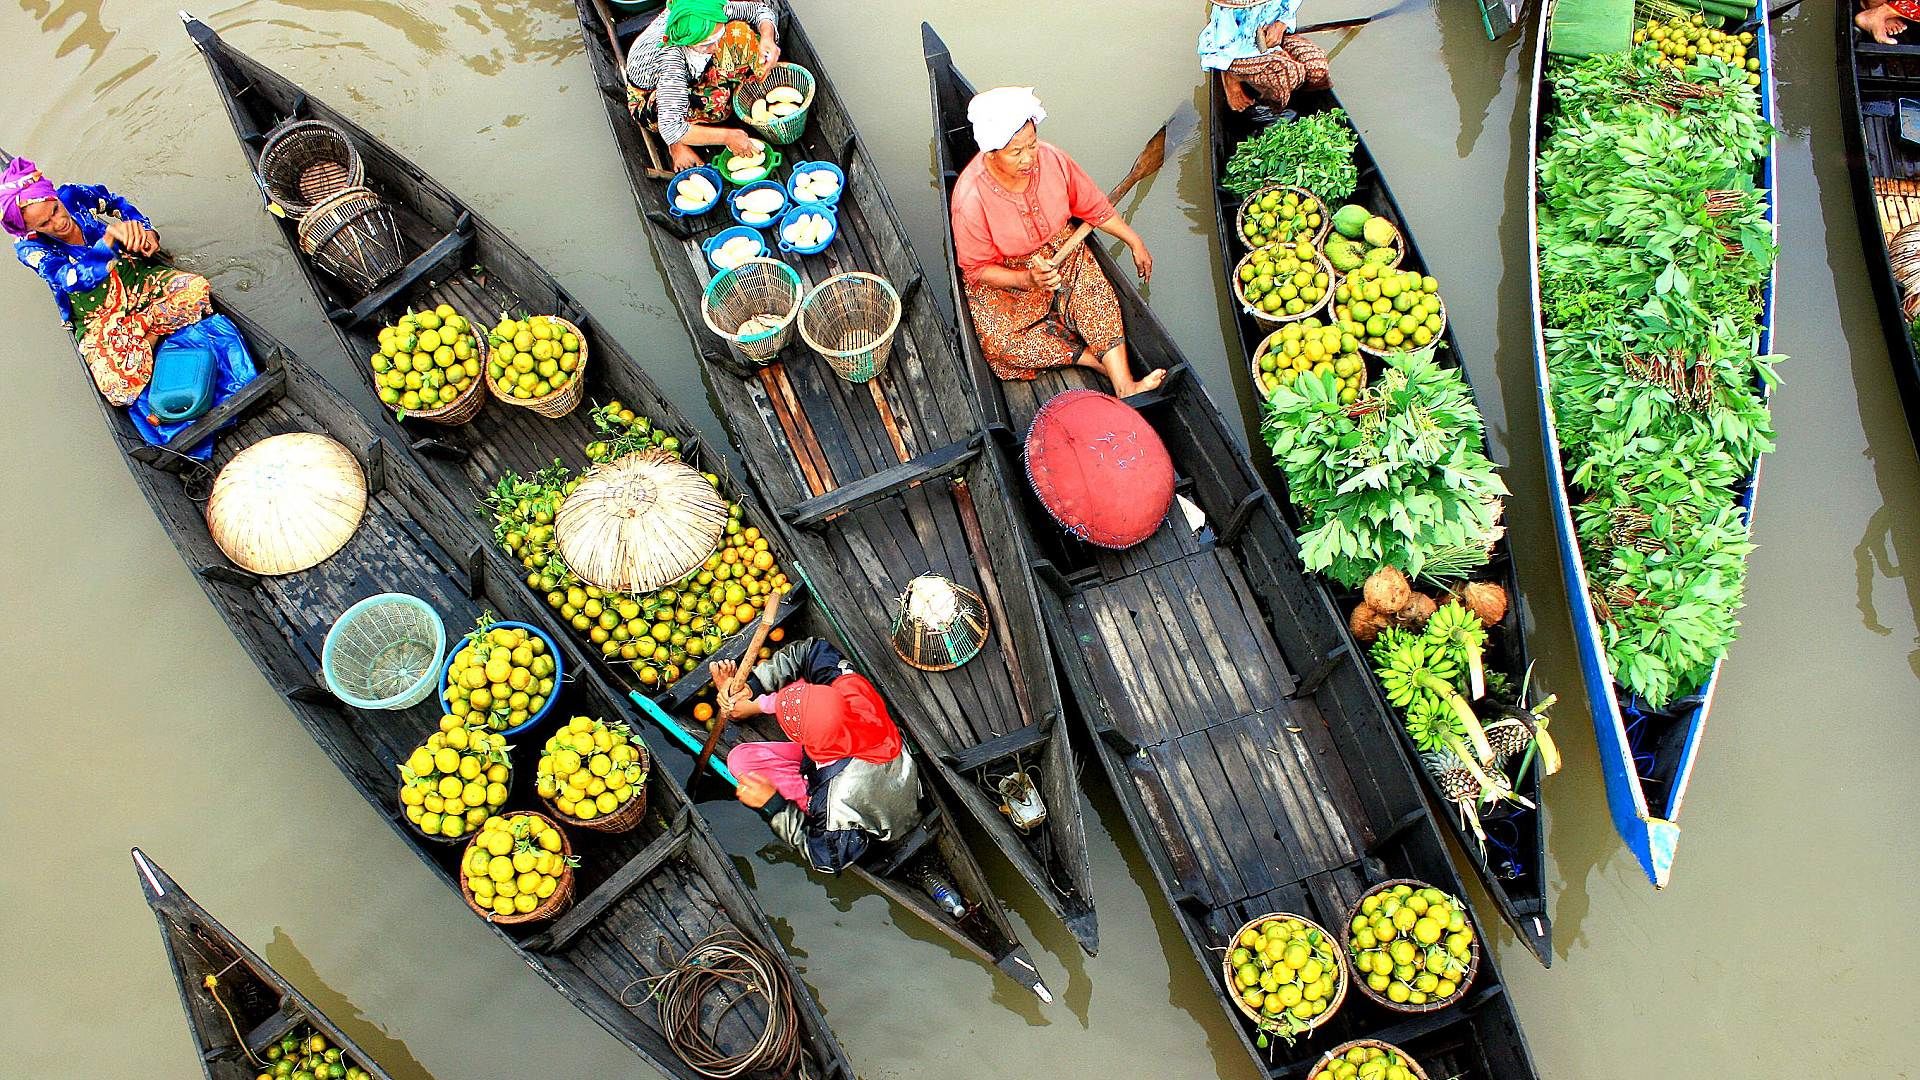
<point>1099,468</point>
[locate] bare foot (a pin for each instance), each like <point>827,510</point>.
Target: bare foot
<point>1151,382</point>
<point>1882,22</point>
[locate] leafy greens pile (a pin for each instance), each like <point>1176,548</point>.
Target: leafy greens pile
<point>1314,152</point>
<point>1397,478</point>
<point>1654,248</point>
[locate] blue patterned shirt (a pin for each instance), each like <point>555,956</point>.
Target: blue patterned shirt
<point>77,268</point>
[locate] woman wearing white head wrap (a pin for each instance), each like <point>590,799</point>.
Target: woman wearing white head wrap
<point>1013,206</point>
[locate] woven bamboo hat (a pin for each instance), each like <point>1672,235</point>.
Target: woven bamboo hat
<point>639,523</point>
<point>939,625</point>
<point>287,503</point>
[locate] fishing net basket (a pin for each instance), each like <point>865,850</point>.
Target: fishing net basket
<point>384,652</point>
<point>1466,977</point>
<point>305,162</point>
<point>560,402</point>
<point>1281,318</point>
<point>938,624</point>
<point>1314,237</point>
<point>850,320</point>
<point>755,287</point>
<point>548,908</point>
<point>352,236</point>
<point>622,817</point>
<point>779,130</point>
<point>1320,1067</point>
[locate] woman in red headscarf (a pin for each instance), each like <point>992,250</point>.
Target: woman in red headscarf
<point>846,779</point>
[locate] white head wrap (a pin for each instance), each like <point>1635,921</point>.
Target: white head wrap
<point>998,115</point>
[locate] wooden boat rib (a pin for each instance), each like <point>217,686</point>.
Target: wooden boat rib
<point>1885,168</point>
<point>1232,718</point>
<point>876,483</point>
<point>1512,864</point>
<point>488,273</point>
<point>255,1006</point>
<point>643,897</point>
<point>1646,755</point>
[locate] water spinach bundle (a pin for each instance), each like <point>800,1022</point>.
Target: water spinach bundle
<point>1314,152</point>
<point>1654,252</point>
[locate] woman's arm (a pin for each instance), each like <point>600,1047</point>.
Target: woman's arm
<point>1117,227</point>
<point>107,202</point>
<point>53,267</point>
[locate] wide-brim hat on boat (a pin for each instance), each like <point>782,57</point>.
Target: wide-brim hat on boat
<point>1099,468</point>
<point>287,503</point>
<point>639,523</point>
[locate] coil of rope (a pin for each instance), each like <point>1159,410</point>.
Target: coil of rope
<point>727,964</point>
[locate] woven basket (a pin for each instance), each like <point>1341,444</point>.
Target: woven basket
<point>1406,1059</point>
<point>1280,318</point>
<point>1340,981</point>
<point>1314,237</point>
<point>1466,979</point>
<point>943,647</point>
<point>1410,346</point>
<point>850,319</point>
<point>467,405</point>
<point>1253,365</point>
<point>306,161</point>
<point>625,816</point>
<point>781,130</point>
<point>551,906</point>
<point>352,236</point>
<point>755,287</point>
<point>561,401</point>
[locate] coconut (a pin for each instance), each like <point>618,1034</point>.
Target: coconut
<point>1417,610</point>
<point>1367,622</point>
<point>1487,601</point>
<point>1387,590</point>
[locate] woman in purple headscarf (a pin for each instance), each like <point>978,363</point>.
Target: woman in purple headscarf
<point>117,302</point>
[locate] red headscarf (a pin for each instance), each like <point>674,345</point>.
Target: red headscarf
<point>842,719</point>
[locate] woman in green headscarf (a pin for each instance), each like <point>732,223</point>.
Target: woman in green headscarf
<point>687,64</point>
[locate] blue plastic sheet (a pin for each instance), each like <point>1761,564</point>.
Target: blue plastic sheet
<point>233,369</point>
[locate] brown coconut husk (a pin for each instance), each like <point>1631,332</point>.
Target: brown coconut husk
<point>1367,623</point>
<point>1387,590</point>
<point>1415,613</point>
<point>1487,601</point>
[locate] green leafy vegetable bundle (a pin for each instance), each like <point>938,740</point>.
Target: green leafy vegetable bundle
<point>1397,478</point>
<point>1654,249</point>
<point>1314,152</point>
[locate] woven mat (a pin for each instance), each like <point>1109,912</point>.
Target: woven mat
<point>1898,202</point>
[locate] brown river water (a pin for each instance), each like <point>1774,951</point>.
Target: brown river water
<point>1781,948</point>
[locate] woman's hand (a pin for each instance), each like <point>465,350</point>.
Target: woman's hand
<point>1042,275</point>
<point>684,156</point>
<point>737,141</point>
<point>769,48</point>
<point>1142,259</point>
<point>755,790</point>
<point>133,238</point>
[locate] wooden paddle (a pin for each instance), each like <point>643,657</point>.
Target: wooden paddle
<point>1350,24</point>
<point>656,170</point>
<point>1178,128</point>
<point>723,691</point>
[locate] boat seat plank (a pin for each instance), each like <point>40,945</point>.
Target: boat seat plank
<point>882,484</point>
<point>275,1027</point>
<point>634,871</point>
<point>1018,741</point>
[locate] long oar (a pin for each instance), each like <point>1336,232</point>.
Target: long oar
<point>1349,24</point>
<point>721,692</point>
<point>656,170</point>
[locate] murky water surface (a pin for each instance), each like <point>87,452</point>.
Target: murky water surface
<point>1783,947</point>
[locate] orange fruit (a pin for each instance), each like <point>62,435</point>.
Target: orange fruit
<point>703,712</point>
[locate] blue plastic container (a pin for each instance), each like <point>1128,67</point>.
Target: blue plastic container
<point>559,672</point>
<point>733,202</point>
<point>714,242</point>
<point>817,166</point>
<point>793,215</point>
<point>182,384</point>
<point>707,171</point>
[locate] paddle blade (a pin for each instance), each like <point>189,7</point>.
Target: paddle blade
<point>1175,132</point>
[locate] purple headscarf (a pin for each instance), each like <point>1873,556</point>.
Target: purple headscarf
<point>21,184</point>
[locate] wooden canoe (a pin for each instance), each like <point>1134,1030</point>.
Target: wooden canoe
<point>875,483</point>
<point>1885,168</point>
<point>1647,755</point>
<point>642,897</point>
<point>1512,862</point>
<point>250,1006</point>
<point>1231,714</point>
<point>479,269</point>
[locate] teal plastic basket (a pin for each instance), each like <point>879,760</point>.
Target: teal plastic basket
<point>384,652</point>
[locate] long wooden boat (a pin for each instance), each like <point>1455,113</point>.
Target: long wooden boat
<point>237,1006</point>
<point>1885,167</point>
<point>1511,861</point>
<point>468,263</point>
<point>876,483</point>
<point>643,897</point>
<point>1647,755</point>
<point>1230,714</point>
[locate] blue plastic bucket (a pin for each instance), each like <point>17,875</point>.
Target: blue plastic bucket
<point>714,242</point>
<point>707,171</point>
<point>559,672</point>
<point>733,202</point>
<point>812,167</point>
<point>793,215</point>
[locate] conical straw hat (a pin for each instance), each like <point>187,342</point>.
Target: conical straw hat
<point>636,524</point>
<point>286,503</point>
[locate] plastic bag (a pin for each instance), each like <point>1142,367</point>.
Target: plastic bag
<point>233,369</point>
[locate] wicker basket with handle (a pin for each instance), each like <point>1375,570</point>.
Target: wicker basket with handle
<point>547,908</point>
<point>850,320</point>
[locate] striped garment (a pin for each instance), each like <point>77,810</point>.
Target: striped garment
<point>667,71</point>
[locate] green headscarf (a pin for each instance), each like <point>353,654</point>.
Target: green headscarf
<point>691,22</point>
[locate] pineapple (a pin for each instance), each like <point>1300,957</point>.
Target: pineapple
<point>1508,737</point>
<point>1455,780</point>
